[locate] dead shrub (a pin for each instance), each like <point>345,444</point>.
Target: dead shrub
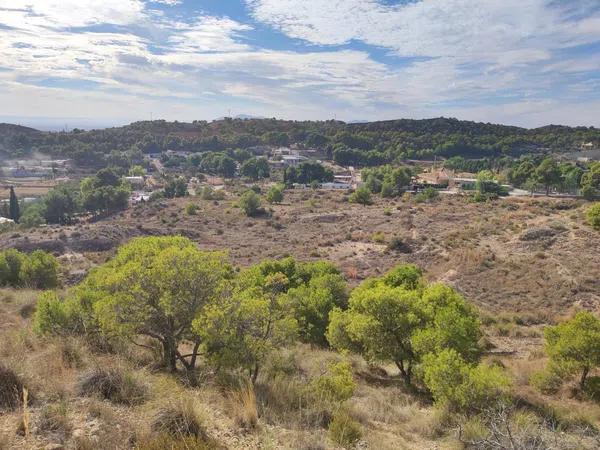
<point>11,389</point>
<point>112,384</point>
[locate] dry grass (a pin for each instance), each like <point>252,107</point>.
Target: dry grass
<point>243,407</point>
<point>11,389</point>
<point>180,418</point>
<point>114,384</point>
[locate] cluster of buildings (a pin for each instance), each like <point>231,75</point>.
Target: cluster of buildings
<point>37,168</point>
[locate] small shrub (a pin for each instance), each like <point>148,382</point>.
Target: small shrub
<point>546,381</point>
<point>428,194</point>
<point>54,418</point>
<point>361,196</point>
<point>398,245</point>
<point>387,212</point>
<point>593,216</point>
<point>112,384</point>
<point>344,430</point>
<point>40,270</point>
<point>592,389</point>
<point>165,441</point>
<point>378,237</point>
<point>337,384</point>
<point>191,209</point>
<point>179,419</point>
<point>250,203</point>
<point>11,389</point>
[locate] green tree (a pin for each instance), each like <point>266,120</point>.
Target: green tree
<point>255,168</point>
<point>362,196</point>
<point>573,345</point>
<point>153,287</point>
<point>250,203</point>
<point>548,174</point>
<point>311,304</point>
<point>242,330</point>
<point>40,270</point>
<point>397,318</point>
<point>590,182</point>
<point>176,187</point>
<point>379,323</point>
<point>275,194</point>
<point>14,210</point>
<point>593,216</point>
<point>59,205</point>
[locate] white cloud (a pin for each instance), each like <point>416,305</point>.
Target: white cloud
<point>69,13</point>
<point>432,27</point>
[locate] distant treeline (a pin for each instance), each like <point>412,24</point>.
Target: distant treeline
<point>368,144</point>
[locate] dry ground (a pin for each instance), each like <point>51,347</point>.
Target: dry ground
<point>512,255</point>
<point>523,262</point>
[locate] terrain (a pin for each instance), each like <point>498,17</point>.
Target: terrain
<point>519,255</point>
<point>525,263</point>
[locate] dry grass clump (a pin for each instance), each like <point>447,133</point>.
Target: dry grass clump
<point>179,419</point>
<point>166,441</point>
<point>243,407</point>
<point>54,419</point>
<point>11,389</point>
<point>112,384</point>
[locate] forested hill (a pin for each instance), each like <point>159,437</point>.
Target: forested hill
<point>374,141</point>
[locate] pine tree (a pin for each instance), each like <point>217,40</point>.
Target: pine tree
<point>14,210</point>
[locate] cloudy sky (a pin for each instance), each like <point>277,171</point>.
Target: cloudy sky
<point>96,63</point>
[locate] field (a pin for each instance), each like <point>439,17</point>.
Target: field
<point>524,263</point>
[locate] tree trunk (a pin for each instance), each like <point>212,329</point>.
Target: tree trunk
<point>255,373</point>
<point>169,355</point>
<point>406,373</point>
<point>584,375</point>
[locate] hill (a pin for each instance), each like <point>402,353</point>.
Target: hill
<point>387,141</point>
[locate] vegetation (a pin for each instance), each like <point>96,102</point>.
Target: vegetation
<point>362,196</point>
<point>250,203</point>
<point>38,270</point>
<point>593,216</point>
<point>275,194</point>
<point>573,346</point>
<point>395,318</point>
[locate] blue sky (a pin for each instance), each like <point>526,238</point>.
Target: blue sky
<point>96,63</point>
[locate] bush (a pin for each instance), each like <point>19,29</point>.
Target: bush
<point>40,270</point>
<point>362,196</point>
<point>546,381</point>
<point>573,346</point>
<point>378,238</point>
<point>191,209</point>
<point>51,316</point>
<point>179,419</point>
<point>428,194</point>
<point>275,194</point>
<point>461,386</point>
<point>398,245</point>
<point>112,384</point>
<point>11,389</point>
<point>593,216</point>
<point>344,430</point>
<point>250,203</point>
<point>337,384</point>
<point>166,441</point>
<point>11,261</point>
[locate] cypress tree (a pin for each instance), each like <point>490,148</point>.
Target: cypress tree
<point>14,210</point>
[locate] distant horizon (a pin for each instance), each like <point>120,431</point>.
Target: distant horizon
<point>49,124</point>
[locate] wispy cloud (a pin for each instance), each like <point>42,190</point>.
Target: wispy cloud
<point>508,60</point>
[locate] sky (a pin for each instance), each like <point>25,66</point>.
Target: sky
<point>91,63</point>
